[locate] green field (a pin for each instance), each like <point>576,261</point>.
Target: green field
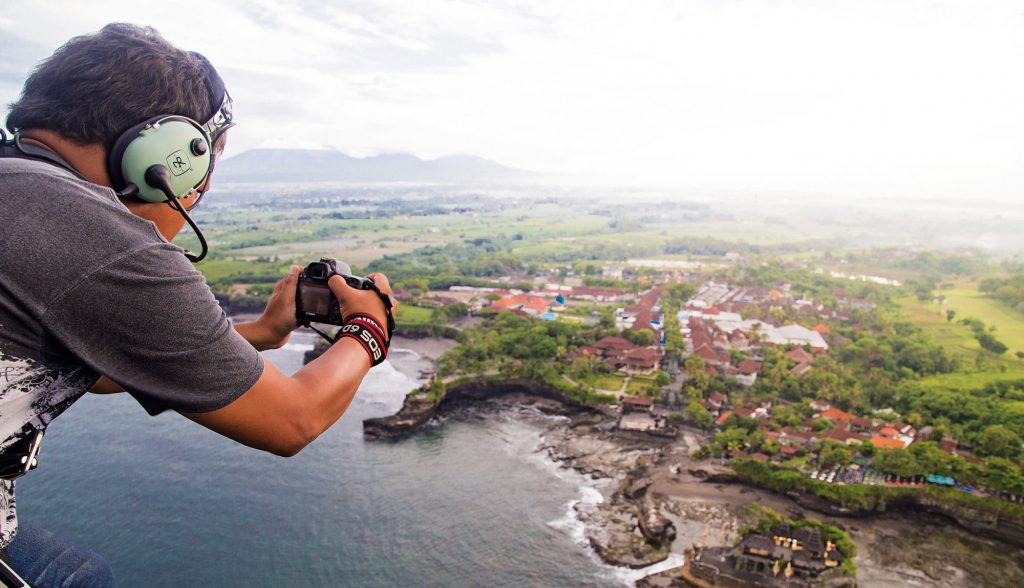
<point>959,341</point>
<point>408,313</point>
<point>968,302</point>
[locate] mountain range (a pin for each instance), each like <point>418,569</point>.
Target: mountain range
<point>320,165</point>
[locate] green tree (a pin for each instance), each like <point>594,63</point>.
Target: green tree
<point>696,373</point>
<point>821,425</point>
<point>738,421</point>
<point>702,419</point>
<point>999,441</point>
<point>642,337</point>
<point>897,461</point>
<point>832,453</point>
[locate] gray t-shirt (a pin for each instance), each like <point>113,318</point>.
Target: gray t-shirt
<point>87,288</point>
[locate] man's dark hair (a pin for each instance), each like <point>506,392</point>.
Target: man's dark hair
<point>95,87</point>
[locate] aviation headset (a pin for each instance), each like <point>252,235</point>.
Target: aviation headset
<point>162,159</point>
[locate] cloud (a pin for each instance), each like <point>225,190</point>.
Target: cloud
<point>915,96</point>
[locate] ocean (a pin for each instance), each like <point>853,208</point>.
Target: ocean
<point>465,502</point>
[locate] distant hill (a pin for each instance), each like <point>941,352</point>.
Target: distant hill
<point>320,165</point>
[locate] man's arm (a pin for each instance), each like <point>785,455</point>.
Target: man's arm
<point>282,414</point>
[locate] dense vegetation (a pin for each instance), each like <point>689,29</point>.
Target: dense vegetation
<point>475,262</point>
<point>514,346</point>
<point>861,496</point>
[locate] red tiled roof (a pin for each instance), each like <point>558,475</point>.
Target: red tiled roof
<point>888,432</point>
<point>643,357</point>
<point>862,423</point>
<point>643,320</point>
<point>614,343</point>
<point>749,366</point>
<point>805,435</point>
<point>844,436</point>
<point>836,415</point>
<point>799,355</point>
<point>637,401</point>
<point>886,443</point>
<point>525,301</point>
<point>706,354</point>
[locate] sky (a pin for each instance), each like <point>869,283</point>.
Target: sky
<point>917,98</point>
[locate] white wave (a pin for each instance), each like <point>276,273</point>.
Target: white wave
<point>629,576</point>
<point>386,387</point>
<point>413,355</point>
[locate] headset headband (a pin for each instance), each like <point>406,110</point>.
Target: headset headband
<point>215,88</point>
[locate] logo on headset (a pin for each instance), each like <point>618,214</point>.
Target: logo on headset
<point>178,162</point>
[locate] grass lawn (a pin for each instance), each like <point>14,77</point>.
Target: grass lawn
<point>408,313</point>
<point>611,382</point>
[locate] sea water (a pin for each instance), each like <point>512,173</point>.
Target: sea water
<point>467,502</point>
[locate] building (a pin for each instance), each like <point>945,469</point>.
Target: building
<point>636,404</point>
<point>886,443</point>
<point>531,305</point>
<point>782,556</point>
<point>641,360</point>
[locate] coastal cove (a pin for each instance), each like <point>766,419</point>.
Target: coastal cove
<point>465,502</point>
<point>911,543</point>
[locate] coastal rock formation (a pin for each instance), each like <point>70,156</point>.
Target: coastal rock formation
<point>418,409</point>
<point>629,529</point>
<point>615,531</point>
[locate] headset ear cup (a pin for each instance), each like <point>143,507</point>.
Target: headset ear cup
<point>175,142</point>
<point>115,157</point>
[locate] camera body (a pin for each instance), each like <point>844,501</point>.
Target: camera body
<point>314,301</point>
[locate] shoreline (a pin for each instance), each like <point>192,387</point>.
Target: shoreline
<point>657,477</point>
<point>638,475</point>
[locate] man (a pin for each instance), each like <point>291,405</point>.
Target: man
<point>93,296</point>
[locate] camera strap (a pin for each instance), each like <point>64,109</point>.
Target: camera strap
<point>388,306</point>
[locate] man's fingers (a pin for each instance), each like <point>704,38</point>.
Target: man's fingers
<point>384,285</point>
<point>382,282</point>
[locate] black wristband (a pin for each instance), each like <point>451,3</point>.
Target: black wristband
<point>374,324</point>
<point>366,336</point>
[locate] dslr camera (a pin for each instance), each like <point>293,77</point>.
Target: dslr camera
<point>314,301</point>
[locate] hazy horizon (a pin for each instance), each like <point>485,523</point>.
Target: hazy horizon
<point>846,99</point>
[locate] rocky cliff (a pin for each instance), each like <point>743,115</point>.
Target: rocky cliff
<point>418,409</point>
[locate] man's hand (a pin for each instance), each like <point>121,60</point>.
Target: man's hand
<point>354,301</point>
<point>277,322</point>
